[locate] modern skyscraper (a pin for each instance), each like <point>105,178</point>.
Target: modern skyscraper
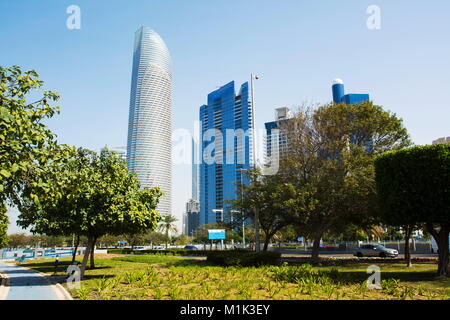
<point>150,119</point>
<point>282,116</point>
<point>226,149</point>
<point>195,166</point>
<point>191,218</point>
<point>340,96</point>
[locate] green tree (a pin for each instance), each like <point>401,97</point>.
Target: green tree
<point>90,195</point>
<point>4,221</point>
<point>135,239</point>
<point>330,164</point>
<point>24,139</point>
<point>182,240</point>
<point>167,225</point>
<point>154,238</point>
<point>18,240</point>
<point>269,196</point>
<point>414,188</point>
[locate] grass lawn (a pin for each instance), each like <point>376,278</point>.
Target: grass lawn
<point>161,277</point>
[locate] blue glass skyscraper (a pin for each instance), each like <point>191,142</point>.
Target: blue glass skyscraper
<point>226,149</point>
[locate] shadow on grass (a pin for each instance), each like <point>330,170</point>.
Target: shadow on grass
<point>352,277</point>
<point>50,268</point>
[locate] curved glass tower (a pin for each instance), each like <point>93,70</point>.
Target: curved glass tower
<point>150,119</point>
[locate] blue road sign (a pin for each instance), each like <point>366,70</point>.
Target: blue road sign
<point>216,234</point>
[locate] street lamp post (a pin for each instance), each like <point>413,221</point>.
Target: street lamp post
<point>216,211</point>
<point>252,78</point>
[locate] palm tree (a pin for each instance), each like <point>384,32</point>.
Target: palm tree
<point>167,225</point>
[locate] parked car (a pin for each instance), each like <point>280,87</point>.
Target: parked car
<point>158,248</point>
<point>190,248</point>
<point>371,250</point>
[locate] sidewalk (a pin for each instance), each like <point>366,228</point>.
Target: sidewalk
<point>27,284</point>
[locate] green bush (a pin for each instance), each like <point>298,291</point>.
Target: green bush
<point>413,185</point>
<point>305,273</point>
<point>168,252</point>
<point>243,258</point>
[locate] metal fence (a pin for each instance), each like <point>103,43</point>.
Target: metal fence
<point>10,254</point>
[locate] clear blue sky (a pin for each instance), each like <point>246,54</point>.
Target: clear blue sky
<point>297,47</point>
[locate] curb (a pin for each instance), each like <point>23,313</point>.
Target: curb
<point>59,289</point>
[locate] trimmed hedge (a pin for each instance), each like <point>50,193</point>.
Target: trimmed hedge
<point>168,252</point>
<point>414,185</point>
<point>244,258</point>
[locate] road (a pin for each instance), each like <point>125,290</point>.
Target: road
<point>26,284</point>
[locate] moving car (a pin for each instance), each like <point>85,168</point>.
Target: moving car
<point>190,248</point>
<point>371,250</point>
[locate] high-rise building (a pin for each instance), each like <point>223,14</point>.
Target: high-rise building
<point>442,140</point>
<point>121,151</point>
<point>150,118</point>
<point>282,116</point>
<point>226,149</point>
<point>191,218</point>
<point>339,95</point>
<point>195,165</point>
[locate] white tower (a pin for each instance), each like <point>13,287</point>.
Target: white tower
<point>150,120</point>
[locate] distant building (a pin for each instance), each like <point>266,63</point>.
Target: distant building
<point>121,151</point>
<point>195,166</point>
<point>339,95</point>
<point>191,218</point>
<point>224,155</point>
<point>282,116</point>
<point>442,140</point>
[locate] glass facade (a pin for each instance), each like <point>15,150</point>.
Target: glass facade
<point>339,95</point>
<point>226,149</point>
<point>150,118</point>
<point>282,116</point>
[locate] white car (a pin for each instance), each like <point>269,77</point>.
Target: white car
<point>371,250</point>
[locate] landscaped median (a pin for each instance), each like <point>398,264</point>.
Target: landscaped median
<point>168,277</point>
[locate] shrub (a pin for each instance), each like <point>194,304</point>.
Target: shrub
<point>305,274</point>
<point>243,258</point>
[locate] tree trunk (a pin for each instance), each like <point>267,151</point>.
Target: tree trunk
<point>257,227</point>
<point>316,248</point>
<point>92,266</point>
<point>408,231</point>
<point>77,243</point>
<point>87,252</point>
<point>266,241</point>
<point>167,238</point>
<point>444,259</point>
<point>442,241</point>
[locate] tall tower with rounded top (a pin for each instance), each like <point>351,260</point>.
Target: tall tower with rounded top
<point>149,144</point>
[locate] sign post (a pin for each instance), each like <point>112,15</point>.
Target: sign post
<point>216,234</point>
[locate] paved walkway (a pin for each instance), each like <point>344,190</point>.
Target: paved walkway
<point>27,284</point>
